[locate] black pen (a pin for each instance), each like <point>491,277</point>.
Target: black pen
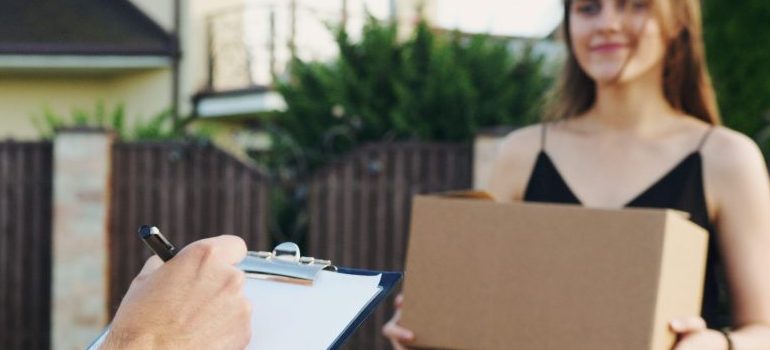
<point>157,242</point>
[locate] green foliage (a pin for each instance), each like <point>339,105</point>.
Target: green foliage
<point>431,87</point>
<point>158,127</point>
<point>739,60</point>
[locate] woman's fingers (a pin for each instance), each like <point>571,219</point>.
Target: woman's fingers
<point>687,325</point>
<point>393,331</point>
<point>399,300</point>
<point>398,346</point>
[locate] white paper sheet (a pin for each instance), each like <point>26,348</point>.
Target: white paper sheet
<point>296,317</point>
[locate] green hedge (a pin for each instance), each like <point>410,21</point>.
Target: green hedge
<point>737,36</point>
<point>433,86</point>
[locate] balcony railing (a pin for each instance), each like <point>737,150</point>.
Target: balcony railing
<point>249,46</point>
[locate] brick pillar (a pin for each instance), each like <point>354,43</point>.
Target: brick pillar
<point>81,198</point>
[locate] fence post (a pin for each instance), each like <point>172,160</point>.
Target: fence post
<point>81,197</point>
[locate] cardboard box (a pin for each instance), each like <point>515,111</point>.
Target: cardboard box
<point>486,275</point>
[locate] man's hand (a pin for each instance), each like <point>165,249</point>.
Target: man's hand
<point>193,301</point>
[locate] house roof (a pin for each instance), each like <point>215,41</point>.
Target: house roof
<point>80,27</point>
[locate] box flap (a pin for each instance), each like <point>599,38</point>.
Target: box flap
<point>484,195</point>
<point>466,194</point>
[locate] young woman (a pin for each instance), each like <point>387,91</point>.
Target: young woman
<point>635,124</point>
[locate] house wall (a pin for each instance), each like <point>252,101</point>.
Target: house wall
<point>194,67</point>
<point>194,62</point>
<point>144,92</point>
<point>23,96</point>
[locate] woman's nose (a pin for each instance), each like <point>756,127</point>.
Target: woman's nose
<point>610,18</point>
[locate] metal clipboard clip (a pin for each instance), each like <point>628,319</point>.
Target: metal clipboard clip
<point>284,264</point>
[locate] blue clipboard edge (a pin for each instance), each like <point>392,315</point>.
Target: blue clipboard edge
<point>388,282</point>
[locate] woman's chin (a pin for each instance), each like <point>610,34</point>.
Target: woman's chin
<point>605,79</point>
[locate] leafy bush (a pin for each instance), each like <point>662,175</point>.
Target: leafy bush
<point>158,127</point>
<point>739,60</point>
<point>432,87</point>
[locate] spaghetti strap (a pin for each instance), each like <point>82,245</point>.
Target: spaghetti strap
<point>542,136</point>
<point>705,138</point>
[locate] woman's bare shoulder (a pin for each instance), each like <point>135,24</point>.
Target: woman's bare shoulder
<point>523,142</point>
<point>514,161</point>
<point>734,168</point>
<point>727,150</point>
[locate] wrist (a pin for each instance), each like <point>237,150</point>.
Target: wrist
<point>121,340</point>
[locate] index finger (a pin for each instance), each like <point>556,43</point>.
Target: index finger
<point>226,248</point>
<point>152,264</point>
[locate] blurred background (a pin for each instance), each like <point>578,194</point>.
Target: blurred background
<point>313,121</point>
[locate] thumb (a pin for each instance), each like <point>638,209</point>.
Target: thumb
<point>687,325</point>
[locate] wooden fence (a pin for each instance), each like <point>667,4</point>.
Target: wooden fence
<point>25,244</point>
<point>360,207</point>
<point>189,191</point>
<point>359,212</point>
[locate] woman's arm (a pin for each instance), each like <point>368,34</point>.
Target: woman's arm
<point>742,195</point>
<point>737,184</point>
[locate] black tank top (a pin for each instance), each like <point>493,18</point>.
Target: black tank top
<point>681,188</point>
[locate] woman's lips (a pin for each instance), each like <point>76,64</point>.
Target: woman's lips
<point>607,47</point>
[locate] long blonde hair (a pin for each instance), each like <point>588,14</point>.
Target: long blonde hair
<point>686,82</point>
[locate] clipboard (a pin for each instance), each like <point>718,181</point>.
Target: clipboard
<point>387,283</point>
<point>285,267</point>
